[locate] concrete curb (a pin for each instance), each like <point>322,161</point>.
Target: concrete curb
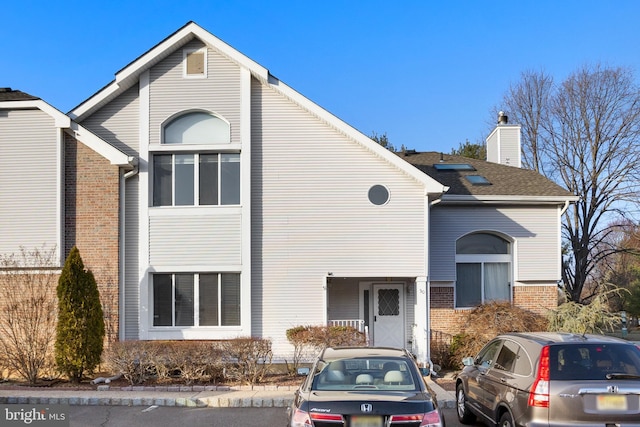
<point>180,396</point>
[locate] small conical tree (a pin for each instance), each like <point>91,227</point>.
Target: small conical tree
<point>80,330</point>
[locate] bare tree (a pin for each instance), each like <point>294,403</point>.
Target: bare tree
<point>28,312</point>
<point>528,104</point>
<point>583,134</point>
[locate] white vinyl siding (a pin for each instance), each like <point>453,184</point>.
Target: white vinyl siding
<point>503,145</point>
<point>131,244</point>
<point>534,231</point>
<point>311,214</point>
<point>30,176</point>
<point>171,93</point>
<point>117,122</point>
<point>196,239</point>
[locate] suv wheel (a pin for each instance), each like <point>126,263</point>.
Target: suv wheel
<point>506,420</point>
<point>465,416</point>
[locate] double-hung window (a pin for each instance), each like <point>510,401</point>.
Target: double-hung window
<point>196,300</point>
<point>185,176</point>
<point>483,269</point>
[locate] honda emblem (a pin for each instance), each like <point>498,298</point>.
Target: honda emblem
<point>366,407</point>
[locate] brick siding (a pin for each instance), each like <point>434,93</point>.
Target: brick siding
<point>445,319</point>
<point>92,222</point>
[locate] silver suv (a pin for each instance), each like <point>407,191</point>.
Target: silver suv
<point>551,379</point>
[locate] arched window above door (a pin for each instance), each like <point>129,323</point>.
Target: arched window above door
<point>197,127</point>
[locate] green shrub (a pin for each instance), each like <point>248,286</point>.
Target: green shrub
<point>594,317</point>
<point>80,329</point>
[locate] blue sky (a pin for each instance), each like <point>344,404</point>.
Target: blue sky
<point>427,73</point>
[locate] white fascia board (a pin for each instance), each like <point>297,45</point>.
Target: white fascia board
<point>233,54</point>
<point>88,105</point>
<point>508,199</point>
<point>126,76</point>
<point>431,185</point>
<point>60,119</point>
<point>100,146</point>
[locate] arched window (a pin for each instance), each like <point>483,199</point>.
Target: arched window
<point>483,269</point>
<point>197,127</point>
<point>196,176</point>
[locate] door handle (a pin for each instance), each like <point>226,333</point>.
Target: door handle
<point>375,318</point>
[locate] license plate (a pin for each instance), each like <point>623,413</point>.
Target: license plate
<point>610,402</point>
<point>366,421</point>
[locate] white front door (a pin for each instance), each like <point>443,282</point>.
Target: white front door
<point>388,315</point>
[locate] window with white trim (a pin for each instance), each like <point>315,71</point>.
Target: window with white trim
<point>483,269</point>
<point>202,177</point>
<point>196,299</point>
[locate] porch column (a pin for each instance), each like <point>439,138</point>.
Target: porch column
<point>421,333</point>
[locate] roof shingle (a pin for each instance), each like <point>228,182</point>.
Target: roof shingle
<point>8,94</point>
<point>504,180</point>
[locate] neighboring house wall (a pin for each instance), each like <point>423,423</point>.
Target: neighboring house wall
<point>30,176</point>
<point>311,215</point>
<point>534,231</point>
<point>92,221</point>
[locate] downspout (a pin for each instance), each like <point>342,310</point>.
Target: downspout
<point>566,206</point>
<point>123,182</point>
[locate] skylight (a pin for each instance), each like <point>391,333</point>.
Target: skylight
<point>454,167</point>
<point>477,180</point>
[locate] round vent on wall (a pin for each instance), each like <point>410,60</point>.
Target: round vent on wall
<point>378,194</point>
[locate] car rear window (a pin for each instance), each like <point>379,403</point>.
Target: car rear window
<point>365,373</point>
<point>581,361</point>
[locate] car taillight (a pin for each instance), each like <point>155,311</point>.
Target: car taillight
<point>303,419</point>
<point>300,419</point>
<point>429,419</point>
<point>327,417</point>
<point>539,393</point>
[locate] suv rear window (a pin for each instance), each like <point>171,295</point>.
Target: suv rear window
<point>581,361</point>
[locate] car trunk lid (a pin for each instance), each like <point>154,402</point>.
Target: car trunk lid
<point>584,401</point>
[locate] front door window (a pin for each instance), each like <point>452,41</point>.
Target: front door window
<point>388,315</point>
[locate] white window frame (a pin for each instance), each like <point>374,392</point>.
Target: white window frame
<point>196,302</point>
<point>483,259</point>
<point>196,180</point>
<point>177,148</point>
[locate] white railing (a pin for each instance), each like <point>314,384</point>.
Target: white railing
<point>354,323</point>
